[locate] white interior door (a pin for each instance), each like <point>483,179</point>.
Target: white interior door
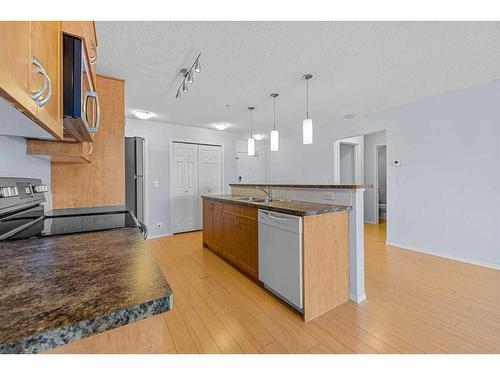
<point>186,196</point>
<point>210,173</point>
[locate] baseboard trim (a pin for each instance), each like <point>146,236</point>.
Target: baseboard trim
<point>152,237</point>
<point>446,256</point>
<point>357,299</point>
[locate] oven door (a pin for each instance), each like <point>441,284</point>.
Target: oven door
<point>22,224</point>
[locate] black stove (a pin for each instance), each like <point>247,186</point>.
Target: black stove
<point>22,213</point>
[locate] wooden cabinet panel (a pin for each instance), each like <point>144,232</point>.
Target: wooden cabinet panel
<point>229,238</point>
<point>247,248</point>
<point>15,65</point>
<point>101,182</point>
<point>46,47</point>
<point>217,226</point>
<point>241,211</point>
<point>207,222</point>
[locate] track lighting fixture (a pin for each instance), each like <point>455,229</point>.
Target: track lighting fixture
<point>188,75</point>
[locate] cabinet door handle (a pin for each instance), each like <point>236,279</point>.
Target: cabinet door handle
<point>47,83</point>
<point>95,126</point>
<point>93,59</point>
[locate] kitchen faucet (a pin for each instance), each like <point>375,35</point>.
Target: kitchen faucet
<point>269,191</point>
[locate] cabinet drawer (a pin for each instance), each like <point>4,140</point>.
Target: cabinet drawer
<point>242,211</point>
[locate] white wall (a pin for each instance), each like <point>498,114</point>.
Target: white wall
<point>371,140</point>
<point>158,136</point>
<point>445,196</point>
<point>15,163</point>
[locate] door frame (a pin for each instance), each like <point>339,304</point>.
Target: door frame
<point>359,162</point>
<point>171,141</point>
<point>375,180</point>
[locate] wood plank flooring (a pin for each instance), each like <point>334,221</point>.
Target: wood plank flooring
<point>416,303</point>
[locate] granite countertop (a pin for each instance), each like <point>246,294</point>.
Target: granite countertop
<point>58,289</point>
<point>304,186</point>
<point>284,206</point>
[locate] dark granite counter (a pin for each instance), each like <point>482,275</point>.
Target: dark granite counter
<point>58,289</point>
<point>284,206</point>
<point>304,186</point>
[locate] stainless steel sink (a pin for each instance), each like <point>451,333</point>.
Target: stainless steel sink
<point>253,199</point>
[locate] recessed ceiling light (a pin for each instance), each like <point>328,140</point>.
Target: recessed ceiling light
<point>143,115</point>
<point>349,116</point>
<point>221,125</point>
<point>258,137</point>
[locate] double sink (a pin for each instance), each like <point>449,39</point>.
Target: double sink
<point>260,200</point>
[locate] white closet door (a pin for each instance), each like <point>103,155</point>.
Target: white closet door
<point>210,173</point>
<point>186,195</point>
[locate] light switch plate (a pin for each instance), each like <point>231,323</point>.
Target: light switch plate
<point>328,196</point>
<point>156,184</point>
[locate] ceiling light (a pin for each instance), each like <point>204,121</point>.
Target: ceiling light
<point>143,115</point>
<point>188,76</point>
<point>251,140</point>
<point>274,132</point>
<point>307,124</point>
<point>259,137</point>
<point>221,125</point>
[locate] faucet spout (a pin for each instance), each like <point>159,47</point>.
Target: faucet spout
<point>268,192</point>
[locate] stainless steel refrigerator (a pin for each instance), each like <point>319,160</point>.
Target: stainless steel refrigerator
<point>134,176</point>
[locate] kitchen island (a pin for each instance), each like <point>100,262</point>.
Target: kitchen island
<point>59,289</point>
<point>310,267</point>
<point>349,195</point>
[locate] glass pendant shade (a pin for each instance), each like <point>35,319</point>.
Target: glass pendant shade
<point>251,146</point>
<point>307,131</point>
<point>274,140</point>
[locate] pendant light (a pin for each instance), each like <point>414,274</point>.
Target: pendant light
<point>307,124</point>
<point>251,141</point>
<point>274,132</point>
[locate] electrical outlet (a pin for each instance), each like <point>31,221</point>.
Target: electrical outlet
<point>156,183</point>
<point>328,196</point>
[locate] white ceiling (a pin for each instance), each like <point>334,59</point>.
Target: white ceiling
<point>358,67</point>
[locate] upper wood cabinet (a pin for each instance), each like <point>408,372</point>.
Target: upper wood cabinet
<point>15,65</point>
<point>46,48</point>
<point>30,71</point>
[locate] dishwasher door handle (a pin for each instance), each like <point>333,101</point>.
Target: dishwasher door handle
<point>268,214</point>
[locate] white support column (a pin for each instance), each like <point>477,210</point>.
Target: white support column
<point>357,248</point>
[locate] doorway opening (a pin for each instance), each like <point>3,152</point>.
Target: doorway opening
<point>380,185</point>
<point>348,161</point>
<point>195,170</point>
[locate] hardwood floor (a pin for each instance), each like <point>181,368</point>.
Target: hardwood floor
<point>416,303</point>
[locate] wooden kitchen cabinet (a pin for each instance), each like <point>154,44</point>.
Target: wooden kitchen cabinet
<point>212,225</point>
<point>15,65</point>
<point>230,231</point>
<point>46,47</point>
<point>22,42</point>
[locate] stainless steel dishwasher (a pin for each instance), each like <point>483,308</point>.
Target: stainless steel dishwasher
<point>280,256</point>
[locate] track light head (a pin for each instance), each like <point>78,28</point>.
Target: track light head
<point>197,65</point>
<point>190,77</point>
<point>184,86</point>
